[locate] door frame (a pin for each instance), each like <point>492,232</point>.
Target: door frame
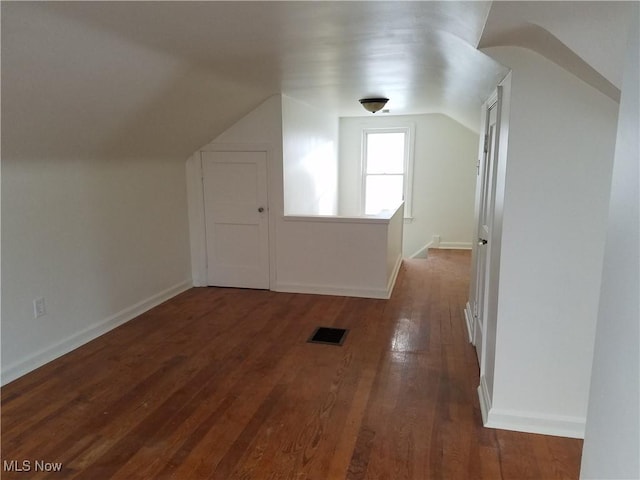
<point>471,311</point>
<point>195,204</point>
<point>497,206</point>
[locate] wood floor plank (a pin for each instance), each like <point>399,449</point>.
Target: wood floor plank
<point>221,383</point>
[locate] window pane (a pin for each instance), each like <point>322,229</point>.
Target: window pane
<point>382,192</point>
<point>385,152</point>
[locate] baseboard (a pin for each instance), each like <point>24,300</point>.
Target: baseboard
<point>344,291</point>
<point>340,291</point>
<point>468,317</point>
<point>556,425</point>
<point>529,422</point>
<point>485,399</point>
<point>394,276</point>
<point>78,339</point>
<point>455,245</point>
<point>423,252</point>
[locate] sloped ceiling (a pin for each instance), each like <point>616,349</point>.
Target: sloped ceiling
<point>586,38</point>
<point>596,32</point>
<point>149,79</point>
<point>131,79</point>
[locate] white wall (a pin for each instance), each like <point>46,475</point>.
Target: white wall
<point>612,438</point>
<point>560,151</point>
<point>100,240</point>
<point>317,254</point>
<point>262,125</point>
<point>331,255</point>
<point>310,159</point>
<point>443,177</point>
<point>260,129</point>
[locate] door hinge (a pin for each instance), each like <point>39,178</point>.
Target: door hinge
<point>486,143</point>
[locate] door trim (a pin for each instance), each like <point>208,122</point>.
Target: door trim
<point>476,312</point>
<point>490,324</point>
<point>468,318</point>
<point>195,205</point>
<point>471,304</point>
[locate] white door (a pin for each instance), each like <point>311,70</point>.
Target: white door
<point>236,218</point>
<point>485,220</point>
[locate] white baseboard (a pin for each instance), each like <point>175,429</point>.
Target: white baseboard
<point>423,252</point>
<point>485,399</point>
<point>394,276</point>
<point>529,422</point>
<point>468,317</point>
<point>39,358</point>
<point>340,291</point>
<point>455,245</point>
<point>344,291</point>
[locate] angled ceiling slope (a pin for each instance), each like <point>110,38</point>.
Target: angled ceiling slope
<point>587,39</point>
<point>162,78</point>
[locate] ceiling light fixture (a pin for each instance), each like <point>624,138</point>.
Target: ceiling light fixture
<point>373,104</point>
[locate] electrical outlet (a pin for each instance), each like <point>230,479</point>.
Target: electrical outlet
<point>39,308</point>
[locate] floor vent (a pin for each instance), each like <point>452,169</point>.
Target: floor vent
<point>329,336</point>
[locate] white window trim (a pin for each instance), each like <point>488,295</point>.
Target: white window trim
<point>409,130</point>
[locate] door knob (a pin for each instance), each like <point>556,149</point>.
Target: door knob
<point>482,241</point>
<point>261,209</point>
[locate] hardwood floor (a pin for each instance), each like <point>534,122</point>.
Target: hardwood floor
<point>221,383</point>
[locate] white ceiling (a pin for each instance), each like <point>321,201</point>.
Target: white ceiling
<point>586,38</point>
<point>595,31</point>
<point>87,79</point>
<point>325,53</point>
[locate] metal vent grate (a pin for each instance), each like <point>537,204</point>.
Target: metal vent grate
<point>329,336</point>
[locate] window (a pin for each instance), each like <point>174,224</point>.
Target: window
<point>387,162</point>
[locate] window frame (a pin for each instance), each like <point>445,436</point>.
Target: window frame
<point>408,130</point>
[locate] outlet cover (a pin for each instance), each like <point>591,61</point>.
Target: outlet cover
<point>39,308</point>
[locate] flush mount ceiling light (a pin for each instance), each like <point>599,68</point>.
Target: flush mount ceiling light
<point>373,104</point>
